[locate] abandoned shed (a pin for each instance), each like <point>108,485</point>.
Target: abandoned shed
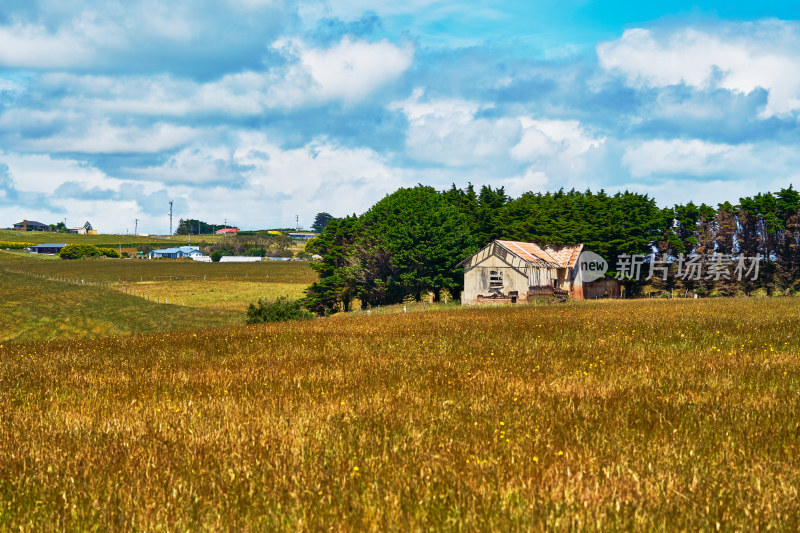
<point>511,272</point>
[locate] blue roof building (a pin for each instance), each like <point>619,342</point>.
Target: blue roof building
<point>176,253</point>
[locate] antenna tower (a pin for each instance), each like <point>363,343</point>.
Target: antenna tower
<point>170,217</point>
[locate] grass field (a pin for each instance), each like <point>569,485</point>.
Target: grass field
<point>222,294</point>
<point>49,298</point>
<point>104,269</point>
<point>630,415</point>
<point>33,308</point>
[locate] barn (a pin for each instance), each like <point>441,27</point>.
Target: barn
<point>511,272</point>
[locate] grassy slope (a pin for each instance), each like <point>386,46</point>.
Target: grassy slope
<point>603,415</point>
<point>36,308</point>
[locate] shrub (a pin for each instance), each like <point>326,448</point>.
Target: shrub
<point>279,310</point>
<point>15,245</point>
<point>77,251</point>
<point>109,252</point>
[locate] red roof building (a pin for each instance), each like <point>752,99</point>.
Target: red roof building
<point>230,231</point>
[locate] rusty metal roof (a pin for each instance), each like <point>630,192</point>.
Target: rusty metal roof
<point>560,256</point>
<point>566,256</point>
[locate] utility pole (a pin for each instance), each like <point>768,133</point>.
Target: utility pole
<point>136,227</point>
<point>297,221</point>
<point>170,217</point>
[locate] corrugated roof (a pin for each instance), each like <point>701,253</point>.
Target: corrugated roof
<point>184,249</point>
<point>566,256</point>
<point>562,256</point>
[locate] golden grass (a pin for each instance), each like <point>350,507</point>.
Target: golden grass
<point>636,415</point>
<point>230,295</point>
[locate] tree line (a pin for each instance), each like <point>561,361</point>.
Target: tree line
<point>411,242</point>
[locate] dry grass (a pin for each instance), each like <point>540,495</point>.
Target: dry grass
<point>599,416</point>
<point>230,295</point>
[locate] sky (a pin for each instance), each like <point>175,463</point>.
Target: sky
<point>255,112</point>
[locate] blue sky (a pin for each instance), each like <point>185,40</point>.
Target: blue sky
<point>256,111</point>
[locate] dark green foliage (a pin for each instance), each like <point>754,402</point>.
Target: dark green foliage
<point>412,242</point>
<point>321,221</point>
<point>77,251</point>
<point>196,227</point>
<point>407,244</point>
<point>279,310</point>
<point>110,252</point>
<point>216,255</point>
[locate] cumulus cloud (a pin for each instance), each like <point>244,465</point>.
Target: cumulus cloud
<point>460,133</point>
<point>347,71</point>
<point>739,57</point>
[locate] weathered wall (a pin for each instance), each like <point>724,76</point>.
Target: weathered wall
<point>476,280</point>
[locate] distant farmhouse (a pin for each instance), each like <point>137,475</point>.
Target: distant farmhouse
<point>229,231</point>
<point>47,248</point>
<point>31,225</point>
<point>175,253</point>
<point>86,229</point>
<point>510,271</point>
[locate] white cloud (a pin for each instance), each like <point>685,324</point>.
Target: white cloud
<point>679,156</point>
<point>319,176</point>
<point>544,139</point>
<point>44,174</point>
<point>448,132</point>
<point>100,137</point>
<point>741,57</point>
<point>348,71</point>
<point>31,46</point>
<point>693,158</point>
<point>452,132</point>
<point>195,165</point>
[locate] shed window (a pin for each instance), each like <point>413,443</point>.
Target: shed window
<point>495,279</point>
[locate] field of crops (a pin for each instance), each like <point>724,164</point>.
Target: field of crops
<point>597,415</point>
